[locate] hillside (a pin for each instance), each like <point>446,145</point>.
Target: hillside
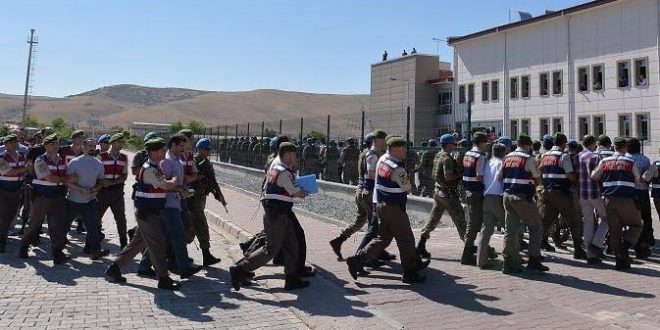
<point>123,104</point>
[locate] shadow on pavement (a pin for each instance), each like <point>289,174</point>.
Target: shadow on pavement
<point>443,288</point>
<point>586,285</point>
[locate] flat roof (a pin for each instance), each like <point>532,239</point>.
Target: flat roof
<point>402,58</point>
<point>570,10</point>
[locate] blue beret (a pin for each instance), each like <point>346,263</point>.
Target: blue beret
<point>505,140</point>
<point>447,139</point>
<point>150,135</point>
<point>204,143</point>
<point>105,138</point>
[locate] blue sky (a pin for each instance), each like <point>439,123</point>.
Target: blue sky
<point>323,46</point>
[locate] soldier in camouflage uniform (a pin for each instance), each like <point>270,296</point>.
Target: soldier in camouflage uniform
<point>331,158</point>
<point>223,153</point>
<point>231,150</point>
<point>349,162</point>
<point>142,155</point>
<point>412,166</point>
<point>426,169</point>
<point>310,158</point>
<point>252,153</point>
<point>446,176</point>
<point>204,185</point>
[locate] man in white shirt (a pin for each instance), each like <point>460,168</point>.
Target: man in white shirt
<point>493,205</point>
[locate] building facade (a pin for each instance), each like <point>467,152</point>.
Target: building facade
<point>588,69</point>
<point>418,81</point>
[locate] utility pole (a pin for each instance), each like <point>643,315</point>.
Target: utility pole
<point>32,42</point>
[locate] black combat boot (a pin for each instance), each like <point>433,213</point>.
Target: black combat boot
<point>166,283</point>
<point>623,260</point>
<point>579,253</point>
<point>294,282</point>
<point>81,227</point>
<point>355,267</point>
<point>59,257</point>
<point>535,264</point>
<point>23,251</point>
<point>421,264</point>
<point>386,256</point>
<point>510,266</point>
<point>468,257</point>
<point>192,270</point>
<point>412,277</point>
<point>113,274</point>
<point>421,248</point>
<point>237,277</point>
<point>208,258</point>
<point>492,254</point>
<point>546,246</point>
<point>336,246</point>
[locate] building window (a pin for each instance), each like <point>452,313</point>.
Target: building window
<point>484,91</point>
<point>641,72</point>
<point>583,126</point>
<point>461,94</point>
<point>524,126</point>
<point>495,90</point>
<point>625,125</point>
<point>583,80</point>
<point>524,86</point>
<point>514,88</point>
<point>599,125</point>
<point>514,129</point>
<point>543,84</point>
<point>597,74</point>
<point>557,125</point>
<point>642,126</point>
<point>544,127</point>
<point>471,93</point>
<point>556,82</point>
<point>623,74</point>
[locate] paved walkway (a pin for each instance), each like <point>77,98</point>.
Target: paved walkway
<point>36,294</point>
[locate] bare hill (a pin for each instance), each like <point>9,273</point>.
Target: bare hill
<point>123,104</point>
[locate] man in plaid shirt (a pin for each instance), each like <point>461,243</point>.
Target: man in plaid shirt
<point>590,200</point>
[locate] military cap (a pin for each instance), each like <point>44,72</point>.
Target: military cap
<point>396,141</point>
<point>105,138</point>
<point>186,132</point>
<point>548,139</point>
<point>50,138</point>
<point>154,144</point>
<point>379,134</point>
<point>369,138</point>
<point>10,138</point>
<point>150,135</point>
<point>478,137</point>
<point>604,139</point>
<point>433,143</point>
<point>117,137</point>
<point>572,143</point>
<point>287,147</point>
<point>46,131</point>
<point>273,143</point>
<point>560,138</point>
<point>505,140</point>
<point>204,143</point>
<point>524,139</point>
<point>620,141</point>
<point>77,133</point>
<point>447,139</point>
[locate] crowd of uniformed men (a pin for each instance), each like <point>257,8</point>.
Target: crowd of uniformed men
<point>596,191</point>
<point>82,180</point>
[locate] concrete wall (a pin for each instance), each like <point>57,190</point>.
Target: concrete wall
<point>623,30</point>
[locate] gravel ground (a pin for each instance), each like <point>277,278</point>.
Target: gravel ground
<point>331,205</point>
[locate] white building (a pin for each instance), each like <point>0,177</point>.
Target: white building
<point>588,69</point>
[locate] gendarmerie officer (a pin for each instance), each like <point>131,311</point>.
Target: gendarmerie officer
<point>474,165</point>
<point>149,195</point>
<point>392,187</point>
<point>115,168</point>
<point>280,190</point>
<point>618,175</point>
<point>520,175</point>
<point>13,168</point>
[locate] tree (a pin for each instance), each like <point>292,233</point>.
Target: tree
<point>61,127</point>
<point>316,135</point>
<point>30,121</point>
<point>4,130</point>
<point>196,127</point>
<point>175,127</point>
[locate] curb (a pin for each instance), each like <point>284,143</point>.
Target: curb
<point>227,226</point>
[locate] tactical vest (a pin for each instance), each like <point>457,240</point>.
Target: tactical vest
<point>147,196</point>
<point>187,160</point>
<point>12,182</point>
<point>47,188</point>
<point>113,168</point>
<point>554,176</point>
<point>365,181</point>
<point>655,182</point>
<point>470,182</point>
<point>388,191</point>
<point>517,180</point>
<point>68,154</point>
<point>273,192</point>
<point>618,179</point>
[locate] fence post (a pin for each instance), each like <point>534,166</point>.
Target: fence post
<point>280,126</point>
<point>362,130</point>
<point>236,136</point>
<point>248,131</point>
<point>327,131</point>
<point>301,130</point>
<point>217,143</point>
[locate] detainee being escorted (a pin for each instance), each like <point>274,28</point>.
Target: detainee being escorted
<point>280,190</point>
<point>392,186</point>
<point>520,175</point>
<point>493,205</point>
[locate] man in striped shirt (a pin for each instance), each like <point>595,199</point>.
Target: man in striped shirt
<point>590,201</point>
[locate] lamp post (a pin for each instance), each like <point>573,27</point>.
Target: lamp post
<point>407,105</point>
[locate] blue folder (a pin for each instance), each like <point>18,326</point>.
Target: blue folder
<point>308,184</point>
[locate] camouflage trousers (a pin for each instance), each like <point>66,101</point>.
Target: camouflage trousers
<point>446,200</point>
<point>364,212</point>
